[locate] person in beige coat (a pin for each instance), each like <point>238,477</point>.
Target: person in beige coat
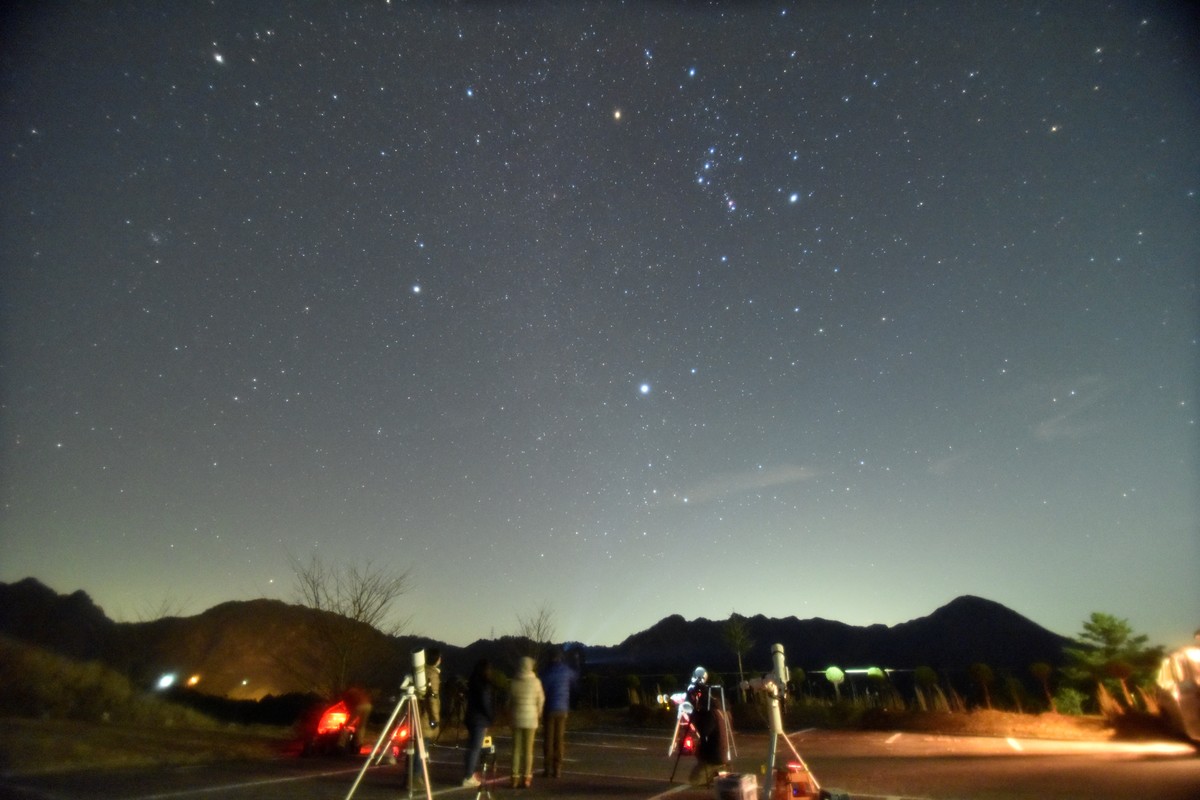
<point>527,700</point>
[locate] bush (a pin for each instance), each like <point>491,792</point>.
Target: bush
<point>38,684</point>
<point>1069,701</point>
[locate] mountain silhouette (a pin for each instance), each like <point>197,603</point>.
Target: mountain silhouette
<point>253,648</point>
<point>964,631</point>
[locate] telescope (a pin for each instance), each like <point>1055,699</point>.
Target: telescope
<point>418,673</point>
<point>408,711</point>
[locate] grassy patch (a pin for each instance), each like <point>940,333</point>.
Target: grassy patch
<point>38,747</point>
<point>59,715</point>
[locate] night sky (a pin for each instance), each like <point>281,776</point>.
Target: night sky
<point>829,310</point>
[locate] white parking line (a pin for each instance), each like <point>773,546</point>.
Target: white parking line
<point>893,738</point>
<point>669,792</point>
<point>801,732</point>
<point>611,746</point>
<point>246,785</point>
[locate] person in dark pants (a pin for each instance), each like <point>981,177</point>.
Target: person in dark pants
<point>477,718</point>
<point>558,679</point>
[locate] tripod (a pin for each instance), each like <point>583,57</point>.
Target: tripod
<point>409,712</point>
<point>487,763</point>
<point>800,780</point>
<point>686,728</point>
<point>677,746</point>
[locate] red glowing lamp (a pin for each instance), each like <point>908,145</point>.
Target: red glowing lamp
<point>334,719</point>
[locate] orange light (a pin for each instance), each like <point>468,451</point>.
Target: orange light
<point>334,718</point>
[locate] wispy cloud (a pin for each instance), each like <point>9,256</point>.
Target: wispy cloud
<point>1077,403</point>
<point>727,484</point>
<point>947,464</point>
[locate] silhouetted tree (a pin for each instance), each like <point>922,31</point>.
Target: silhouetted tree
<point>1042,671</point>
<point>538,631</point>
<point>363,594</point>
<point>983,677</point>
<point>929,690</point>
<point>1016,691</point>
<point>737,636</point>
<point>591,686</point>
<point>633,687</point>
<point>925,679</point>
<point>798,678</point>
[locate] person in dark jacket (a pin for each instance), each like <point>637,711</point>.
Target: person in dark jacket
<point>477,718</point>
<point>558,679</point>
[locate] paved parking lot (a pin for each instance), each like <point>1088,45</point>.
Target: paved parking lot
<point>633,764</point>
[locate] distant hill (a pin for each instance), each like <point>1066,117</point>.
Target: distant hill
<point>240,649</point>
<point>69,624</point>
<point>249,649</point>
<point>966,630</point>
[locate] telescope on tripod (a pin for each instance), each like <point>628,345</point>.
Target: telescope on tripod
<point>796,779</point>
<point>702,727</point>
<point>408,712</point>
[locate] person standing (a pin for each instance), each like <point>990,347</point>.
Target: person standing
<point>558,680</point>
<point>477,718</point>
<point>433,690</point>
<point>528,701</point>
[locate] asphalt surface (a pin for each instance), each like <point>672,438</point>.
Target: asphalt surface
<point>624,764</point>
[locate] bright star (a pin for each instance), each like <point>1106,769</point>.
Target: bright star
<point>644,388</point>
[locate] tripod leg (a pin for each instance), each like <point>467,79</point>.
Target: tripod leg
<point>678,755</point>
<point>424,755</point>
<point>675,735</point>
<point>415,747</point>
<point>487,764</point>
<point>378,743</point>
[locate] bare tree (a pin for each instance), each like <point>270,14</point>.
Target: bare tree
<point>358,601</point>
<point>363,593</point>
<point>538,629</point>
<point>169,606</point>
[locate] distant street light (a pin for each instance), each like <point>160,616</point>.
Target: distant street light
<point>835,676</point>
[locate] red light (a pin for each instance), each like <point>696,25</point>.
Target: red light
<point>334,719</point>
<point>401,733</point>
<point>689,745</point>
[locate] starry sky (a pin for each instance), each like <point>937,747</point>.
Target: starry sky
<point>622,310</point>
